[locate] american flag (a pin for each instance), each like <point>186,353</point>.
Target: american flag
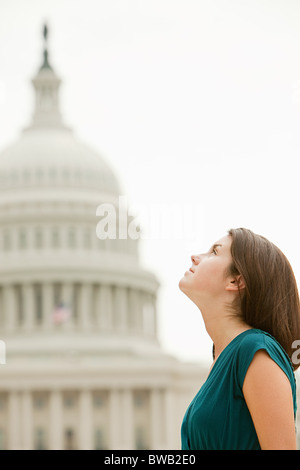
<point>61,313</point>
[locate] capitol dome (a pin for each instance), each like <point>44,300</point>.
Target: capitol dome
<point>44,157</point>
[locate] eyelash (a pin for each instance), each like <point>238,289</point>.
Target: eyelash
<point>214,251</point>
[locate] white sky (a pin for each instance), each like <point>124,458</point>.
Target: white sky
<point>194,103</point>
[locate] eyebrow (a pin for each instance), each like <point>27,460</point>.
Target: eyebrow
<point>215,245</point>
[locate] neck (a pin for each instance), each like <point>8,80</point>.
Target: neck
<point>222,327</point>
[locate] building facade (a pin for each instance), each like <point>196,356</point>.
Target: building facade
<point>84,368</point>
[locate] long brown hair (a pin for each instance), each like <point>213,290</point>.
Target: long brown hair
<point>270,300</point>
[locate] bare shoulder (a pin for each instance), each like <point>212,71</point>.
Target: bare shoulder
<point>268,394</point>
<point>262,368</point>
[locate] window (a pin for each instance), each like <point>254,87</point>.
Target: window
<point>57,293</point>
<point>39,401</point>
<point>39,174</point>
<point>2,439</point>
<point>55,238</point>
<point>39,439</point>
<point>22,239</point>
<point>20,304</point>
<point>6,241</point>
<point>65,175</point>
<point>26,175</point>
<point>139,399</point>
<point>69,400</point>
<point>52,173</point>
<point>69,439</point>
<point>75,301</point>
<point>87,238</point>
<point>38,238</point>
<point>71,238</point>
<point>141,418</point>
<point>140,438</point>
<point>38,303</point>
<point>99,441</point>
<point>2,401</point>
<point>77,175</point>
<point>99,400</point>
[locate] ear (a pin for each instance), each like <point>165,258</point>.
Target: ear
<point>235,284</point>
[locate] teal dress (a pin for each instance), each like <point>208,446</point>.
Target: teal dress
<point>218,417</point>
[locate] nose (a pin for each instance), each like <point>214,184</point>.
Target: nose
<point>195,259</point>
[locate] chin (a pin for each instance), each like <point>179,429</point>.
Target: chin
<point>182,285</point>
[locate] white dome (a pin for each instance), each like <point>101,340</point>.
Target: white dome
<point>53,156</point>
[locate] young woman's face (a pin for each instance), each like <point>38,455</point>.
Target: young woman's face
<point>206,277</point>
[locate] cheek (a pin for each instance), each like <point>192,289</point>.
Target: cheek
<point>208,277</point>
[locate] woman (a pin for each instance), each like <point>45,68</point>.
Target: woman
<point>247,294</point>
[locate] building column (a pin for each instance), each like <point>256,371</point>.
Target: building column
<point>133,307</point>
<point>29,306</point>
<point>13,421</point>
<point>113,419</point>
<point>156,424</point>
<point>148,315</point>
<point>85,306</point>
<point>86,428</point>
<point>26,421</point>
<point>104,307</point>
<point>154,306</point>
<point>9,307</point>
<point>48,305</point>
<point>97,306</point>
<point>127,424</point>
<point>170,406</point>
<point>67,299</point>
<point>2,315</point>
<point>55,421</point>
<point>140,300</point>
<point>121,309</point>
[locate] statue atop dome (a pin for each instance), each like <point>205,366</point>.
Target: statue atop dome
<point>45,32</point>
<point>45,64</point>
<point>46,85</point>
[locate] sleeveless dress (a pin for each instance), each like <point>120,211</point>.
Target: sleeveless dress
<point>218,417</point>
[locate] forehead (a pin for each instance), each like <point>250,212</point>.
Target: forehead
<point>224,241</point>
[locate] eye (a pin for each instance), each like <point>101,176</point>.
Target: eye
<point>214,251</point>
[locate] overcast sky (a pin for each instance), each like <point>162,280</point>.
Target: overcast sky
<point>194,104</point>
